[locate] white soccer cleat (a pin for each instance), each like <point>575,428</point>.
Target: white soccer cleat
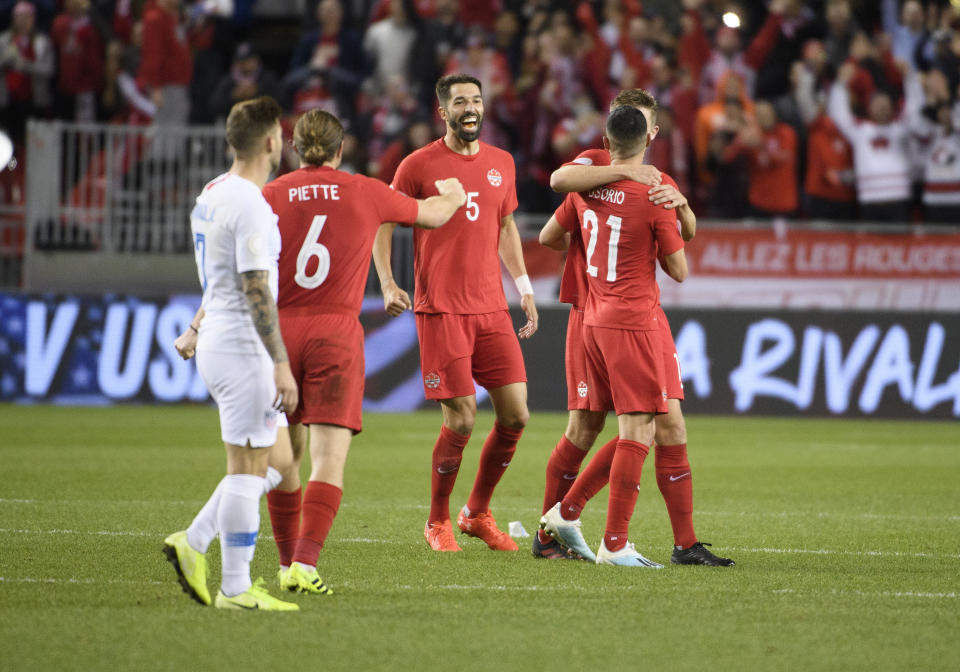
<point>566,532</point>
<point>625,557</point>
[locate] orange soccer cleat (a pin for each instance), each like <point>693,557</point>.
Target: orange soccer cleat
<point>484,527</point>
<point>440,536</point>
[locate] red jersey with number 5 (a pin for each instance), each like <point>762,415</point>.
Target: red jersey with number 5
<point>328,220</point>
<point>621,231</point>
<point>457,266</point>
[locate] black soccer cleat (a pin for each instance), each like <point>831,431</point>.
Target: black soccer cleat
<point>552,550</point>
<point>698,555</point>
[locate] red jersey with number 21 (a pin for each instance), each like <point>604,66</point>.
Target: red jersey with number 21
<point>621,231</point>
<point>328,220</point>
<point>457,266</point>
<point>573,282</point>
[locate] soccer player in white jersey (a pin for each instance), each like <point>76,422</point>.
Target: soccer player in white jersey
<point>240,355</point>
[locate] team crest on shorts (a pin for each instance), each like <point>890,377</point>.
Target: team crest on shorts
<point>663,391</point>
<point>432,380</point>
<point>582,390</point>
<point>270,420</point>
<point>494,177</point>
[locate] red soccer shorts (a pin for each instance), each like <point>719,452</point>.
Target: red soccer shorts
<point>575,359</point>
<point>326,357</point>
<point>625,370</point>
<point>455,350</point>
<point>671,363</point>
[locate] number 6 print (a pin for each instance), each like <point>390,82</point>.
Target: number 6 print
<point>311,248</point>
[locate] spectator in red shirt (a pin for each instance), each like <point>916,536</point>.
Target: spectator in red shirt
<point>333,52</point>
<point>166,65</point>
<point>771,149</point>
<point>80,60</point>
<point>829,180</point>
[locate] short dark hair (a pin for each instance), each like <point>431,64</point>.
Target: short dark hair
<point>444,84</point>
<point>248,122</point>
<point>626,131</point>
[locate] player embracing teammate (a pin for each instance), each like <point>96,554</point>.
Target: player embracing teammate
<point>464,328</point>
<point>590,171</point>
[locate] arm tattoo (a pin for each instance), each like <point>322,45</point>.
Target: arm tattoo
<point>263,310</point>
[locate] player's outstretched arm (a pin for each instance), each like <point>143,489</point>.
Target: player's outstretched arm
<point>670,198</point>
<point>574,177</point>
<point>263,310</point>
<point>511,252</point>
<point>186,343</point>
<point>395,300</point>
<point>676,265</point>
<point>554,236</point>
<point>437,210</point>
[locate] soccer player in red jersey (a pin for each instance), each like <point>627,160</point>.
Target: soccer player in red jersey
<point>622,332</point>
<point>464,327</point>
<point>328,220</point>
<point>589,170</point>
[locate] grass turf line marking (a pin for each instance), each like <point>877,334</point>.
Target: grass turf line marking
<point>497,588</point>
<point>860,593</point>
<point>827,551</point>
<point>370,540</point>
<point>160,535</point>
<point>84,582</point>
<point>519,512</point>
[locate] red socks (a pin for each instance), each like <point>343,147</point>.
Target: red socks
<point>591,481</point>
<point>284,507</point>
<point>673,479</point>
<point>320,505</point>
<point>624,486</point>
<point>495,457</point>
<point>447,455</point>
<point>562,469</point>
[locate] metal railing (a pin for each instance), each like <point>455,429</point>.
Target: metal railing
<point>114,188</point>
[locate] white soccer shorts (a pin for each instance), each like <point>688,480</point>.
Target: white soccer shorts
<point>244,389</point>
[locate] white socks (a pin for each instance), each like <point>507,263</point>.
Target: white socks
<point>271,480</point>
<point>204,527</point>
<point>238,519</point>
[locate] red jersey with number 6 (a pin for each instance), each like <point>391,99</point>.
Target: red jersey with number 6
<point>622,231</point>
<point>328,220</point>
<point>457,266</point>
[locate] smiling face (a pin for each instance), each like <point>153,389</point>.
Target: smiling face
<point>464,111</point>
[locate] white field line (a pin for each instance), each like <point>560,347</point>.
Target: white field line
<point>827,551</point>
<point>372,540</point>
<point>531,512</point>
<point>84,582</point>
<point>498,588</point>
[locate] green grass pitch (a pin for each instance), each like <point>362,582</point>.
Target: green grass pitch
<point>846,536</point>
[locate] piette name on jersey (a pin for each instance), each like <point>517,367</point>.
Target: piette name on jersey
<point>311,192</point>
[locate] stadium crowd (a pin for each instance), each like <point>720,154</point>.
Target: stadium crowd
<point>820,108</point>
